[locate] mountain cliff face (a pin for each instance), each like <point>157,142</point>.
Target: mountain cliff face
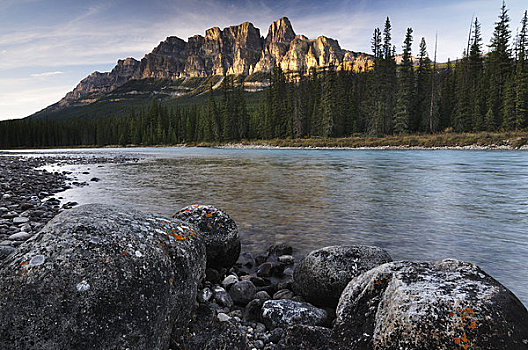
<point>234,50</point>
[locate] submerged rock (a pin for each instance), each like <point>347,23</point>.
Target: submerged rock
<point>447,304</point>
<point>219,231</point>
<point>323,274</point>
<point>284,312</point>
<point>100,277</point>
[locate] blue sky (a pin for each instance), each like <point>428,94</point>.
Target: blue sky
<point>48,46</point>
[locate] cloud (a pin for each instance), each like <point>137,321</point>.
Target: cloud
<point>46,74</point>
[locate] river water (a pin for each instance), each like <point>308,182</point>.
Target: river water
<point>417,204</point>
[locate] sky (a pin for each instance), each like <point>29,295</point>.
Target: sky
<point>48,46</point>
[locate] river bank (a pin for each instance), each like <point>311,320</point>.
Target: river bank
<point>439,141</point>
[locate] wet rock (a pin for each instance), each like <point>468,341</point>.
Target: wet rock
<point>242,292</point>
<point>324,273</point>
<point>445,304</point>
<point>220,233</point>
<point>284,312</point>
<point>300,337</point>
<point>115,276</point>
<point>95,179</point>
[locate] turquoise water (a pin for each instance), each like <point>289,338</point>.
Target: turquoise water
<point>417,204</point>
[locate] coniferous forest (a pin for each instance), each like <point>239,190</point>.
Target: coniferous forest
<point>486,90</point>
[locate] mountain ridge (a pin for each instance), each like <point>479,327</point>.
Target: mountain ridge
<point>238,50</point>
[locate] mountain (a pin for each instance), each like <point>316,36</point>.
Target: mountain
<point>177,67</point>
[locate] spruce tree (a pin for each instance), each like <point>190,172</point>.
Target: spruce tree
<point>405,87</point>
<point>498,67</point>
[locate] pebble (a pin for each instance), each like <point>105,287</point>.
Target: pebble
<point>20,220</point>
<point>223,317</point>
<point>20,236</point>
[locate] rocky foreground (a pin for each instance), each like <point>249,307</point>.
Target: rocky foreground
<point>105,277</point>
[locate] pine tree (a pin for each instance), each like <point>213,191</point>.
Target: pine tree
<point>405,87</point>
<point>499,66</point>
<point>423,89</point>
<point>521,76</point>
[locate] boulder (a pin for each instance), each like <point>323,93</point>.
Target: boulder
<point>100,277</point>
<point>323,274</point>
<point>449,304</point>
<point>219,231</point>
<point>284,312</point>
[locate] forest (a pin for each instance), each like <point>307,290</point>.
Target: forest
<point>485,90</point>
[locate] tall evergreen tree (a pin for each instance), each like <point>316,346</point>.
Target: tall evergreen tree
<point>405,87</point>
<point>499,66</point>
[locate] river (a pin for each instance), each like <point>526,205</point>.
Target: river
<point>417,204</point>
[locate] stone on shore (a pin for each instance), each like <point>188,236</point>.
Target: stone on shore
<point>284,312</point>
<point>219,231</point>
<point>447,304</point>
<point>100,277</point>
<point>323,274</point>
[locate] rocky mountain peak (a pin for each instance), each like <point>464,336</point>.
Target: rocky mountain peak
<point>280,31</point>
<point>238,49</point>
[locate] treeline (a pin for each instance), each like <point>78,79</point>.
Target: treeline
<point>480,92</point>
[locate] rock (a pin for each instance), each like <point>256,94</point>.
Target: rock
<point>100,277</point>
<point>222,297</point>
<point>305,337</point>
<point>223,317</point>
<point>204,295</point>
<point>324,273</point>
<point>264,270</point>
<point>20,236</point>
<point>20,220</point>
<point>242,292</point>
<point>445,304</point>
<point>284,312</point>
<point>5,251</point>
<point>262,295</point>
<point>253,310</point>
<point>283,294</point>
<point>220,233</point>
<point>95,179</point>
<point>229,281</point>
<point>286,259</point>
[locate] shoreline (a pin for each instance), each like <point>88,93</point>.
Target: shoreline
<point>441,141</point>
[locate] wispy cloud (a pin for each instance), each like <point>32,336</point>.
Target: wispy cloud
<point>46,74</point>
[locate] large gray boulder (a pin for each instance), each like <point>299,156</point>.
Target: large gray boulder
<point>219,231</point>
<point>323,274</point>
<point>100,277</point>
<point>447,304</point>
